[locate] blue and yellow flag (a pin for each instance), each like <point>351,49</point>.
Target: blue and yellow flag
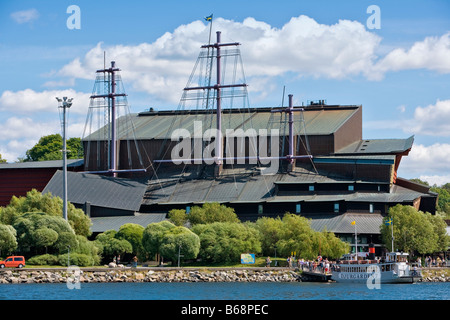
<point>388,222</point>
<point>209,18</point>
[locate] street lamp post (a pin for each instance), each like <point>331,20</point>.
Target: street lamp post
<point>64,103</point>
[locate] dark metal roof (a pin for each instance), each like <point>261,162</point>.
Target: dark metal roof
<point>42,164</point>
<point>101,224</point>
<point>156,125</point>
<point>251,188</point>
<point>365,223</point>
<point>378,146</point>
<point>100,191</point>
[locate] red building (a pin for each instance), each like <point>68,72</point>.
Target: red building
<point>16,179</point>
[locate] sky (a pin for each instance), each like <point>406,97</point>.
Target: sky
<point>391,57</point>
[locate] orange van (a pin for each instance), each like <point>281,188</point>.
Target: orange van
<point>13,262</point>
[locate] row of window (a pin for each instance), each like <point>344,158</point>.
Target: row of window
<point>350,187</point>
<point>298,208</point>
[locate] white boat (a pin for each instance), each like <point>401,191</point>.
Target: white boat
<point>394,269</point>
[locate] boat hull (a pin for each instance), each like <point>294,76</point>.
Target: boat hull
<point>384,277</point>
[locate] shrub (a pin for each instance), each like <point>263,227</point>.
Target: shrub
<point>44,259</point>
<point>77,259</point>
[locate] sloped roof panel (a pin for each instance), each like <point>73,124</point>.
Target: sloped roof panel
<point>101,191</point>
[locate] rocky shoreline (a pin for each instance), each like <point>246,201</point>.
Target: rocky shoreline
<point>137,275</point>
<point>166,275</point>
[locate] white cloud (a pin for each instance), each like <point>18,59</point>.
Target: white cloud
<point>433,120</point>
<point>432,54</point>
<point>430,161</point>
<point>30,101</point>
<point>302,46</point>
<point>25,16</point>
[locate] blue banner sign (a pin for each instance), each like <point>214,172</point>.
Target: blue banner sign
<point>247,258</point>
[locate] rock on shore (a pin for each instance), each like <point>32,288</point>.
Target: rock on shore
<point>137,275</point>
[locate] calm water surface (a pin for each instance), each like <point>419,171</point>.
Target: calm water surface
<point>225,291</point>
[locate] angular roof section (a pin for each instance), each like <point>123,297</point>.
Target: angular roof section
<point>100,191</point>
<point>159,125</point>
<point>378,146</point>
<point>365,223</point>
<point>236,187</point>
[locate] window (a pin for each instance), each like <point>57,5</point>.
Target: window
<point>351,187</point>
<point>260,209</point>
<point>188,209</point>
<point>336,207</point>
<point>311,188</point>
<point>298,208</point>
<point>371,208</point>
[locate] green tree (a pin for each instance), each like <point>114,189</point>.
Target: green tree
<point>293,233</point>
<point>178,217</point>
<point>49,148</point>
<point>35,201</point>
<point>8,241</point>
<point>443,205</point>
<point>180,240</point>
<point>30,239</point>
<point>1,159</point>
<point>45,237</point>
<point>133,233</point>
<point>413,230</point>
<point>153,237</point>
<point>111,246</point>
<point>211,212</point>
<point>270,230</point>
<point>297,236</point>
<point>225,241</point>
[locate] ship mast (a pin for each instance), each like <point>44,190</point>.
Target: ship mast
<point>110,95</point>
<point>217,87</point>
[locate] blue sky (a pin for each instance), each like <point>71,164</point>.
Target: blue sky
<point>399,73</point>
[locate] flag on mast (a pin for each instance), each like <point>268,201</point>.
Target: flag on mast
<point>209,18</point>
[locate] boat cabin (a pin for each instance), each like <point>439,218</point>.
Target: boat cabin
<point>396,257</point>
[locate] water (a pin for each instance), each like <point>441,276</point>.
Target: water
<point>225,291</point>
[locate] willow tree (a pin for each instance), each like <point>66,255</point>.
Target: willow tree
<point>414,230</point>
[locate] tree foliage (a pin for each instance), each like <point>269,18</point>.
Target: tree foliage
<point>225,241</point>
<point>153,237</point>
<point>133,233</point>
<point>49,148</point>
<point>37,231</point>
<point>35,201</point>
<point>111,245</point>
<point>8,241</point>
<point>180,240</point>
<point>211,212</point>
<point>414,231</point>
<point>293,233</point>
<point>178,217</point>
